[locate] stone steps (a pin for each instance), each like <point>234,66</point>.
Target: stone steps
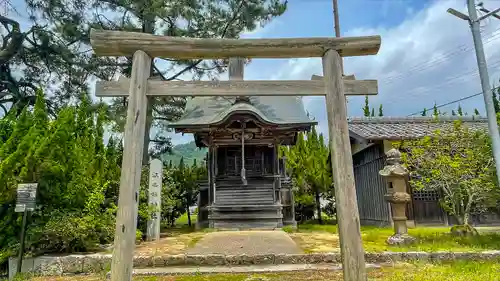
<point>229,195</point>
<point>238,206</point>
<point>239,216</point>
<point>251,216</point>
<point>245,202</point>
<point>247,224</point>
<point>243,208</point>
<point>243,192</point>
<point>242,188</point>
<point>231,198</point>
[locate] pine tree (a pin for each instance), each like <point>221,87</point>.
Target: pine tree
<point>366,108</point>
<point>205,19</point>
<point>476,112</point>
<point>380,111</point>
<point>373,112</point>
<point>424,112</point>
<point>459,111</point>
<point>181,167</point>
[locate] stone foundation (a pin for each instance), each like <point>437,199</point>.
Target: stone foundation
<point>77,264</point>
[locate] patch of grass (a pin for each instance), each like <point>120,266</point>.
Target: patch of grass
<point>312,227</point>
<point>193,241</point>
<point>431,239</point>
<point>324,238</point>
<point>457,271</point>
<point>183,220</point>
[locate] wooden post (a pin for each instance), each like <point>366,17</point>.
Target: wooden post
<point>236,73</point>
<point>275,170</point>
<point>126,218</point>
<point>216,160</point>
<point>214,177</point>
<point>210,175</point>
<point>351,246</point>
<point>336,26</point>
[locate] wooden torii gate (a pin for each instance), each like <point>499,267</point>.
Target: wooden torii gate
<point>143,47</point>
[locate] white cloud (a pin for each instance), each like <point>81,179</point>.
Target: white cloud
<point>429,58</point>
<point>261,29</point>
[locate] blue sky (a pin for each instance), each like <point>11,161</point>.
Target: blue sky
<point>426,56</point>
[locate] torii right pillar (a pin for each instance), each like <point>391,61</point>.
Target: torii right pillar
<point>351,245</point>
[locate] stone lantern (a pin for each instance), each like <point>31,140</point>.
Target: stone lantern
<point>396,174</point>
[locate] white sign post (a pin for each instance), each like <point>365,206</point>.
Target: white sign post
<point>26,197</point>
<point>26,202</point>
<point>154,199</point>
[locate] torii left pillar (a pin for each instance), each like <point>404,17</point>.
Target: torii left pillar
<point>128,202</point>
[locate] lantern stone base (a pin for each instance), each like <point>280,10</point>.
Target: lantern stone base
<point>401,239</point>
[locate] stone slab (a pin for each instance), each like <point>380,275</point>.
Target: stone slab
<point>96,263</point>
<point>239,269</point>
<point>245,243</point>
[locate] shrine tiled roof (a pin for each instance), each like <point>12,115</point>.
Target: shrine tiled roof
<point>201,111</point>
<point>398,128</point>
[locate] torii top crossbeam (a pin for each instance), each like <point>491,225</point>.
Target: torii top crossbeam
<point>121,43</point>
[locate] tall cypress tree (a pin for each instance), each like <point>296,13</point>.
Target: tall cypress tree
<point>366,108</point>
<point>496,103</point>
<point>380,111</point>
<point>459,110</point>
<point>310,168</point>
<point>424,112</point>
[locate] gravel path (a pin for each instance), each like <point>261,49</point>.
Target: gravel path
<point>245,242</point>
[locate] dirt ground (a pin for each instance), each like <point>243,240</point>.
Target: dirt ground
<point>320,242</point>
<point>173,244</point>
<point>241,242</point>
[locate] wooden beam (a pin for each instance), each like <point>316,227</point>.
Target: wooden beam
<point>121,43</point>
<point>128,200</point>
<point>345,77</point>
<point>351,245</point>
<point>236,88</point>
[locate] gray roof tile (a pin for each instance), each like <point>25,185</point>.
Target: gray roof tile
<point>397,128</point>
<point>272,109</point>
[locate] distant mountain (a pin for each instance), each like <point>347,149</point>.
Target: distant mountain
<point>187,150</point>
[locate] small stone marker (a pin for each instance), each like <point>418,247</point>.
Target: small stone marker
<point>154,199</point>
